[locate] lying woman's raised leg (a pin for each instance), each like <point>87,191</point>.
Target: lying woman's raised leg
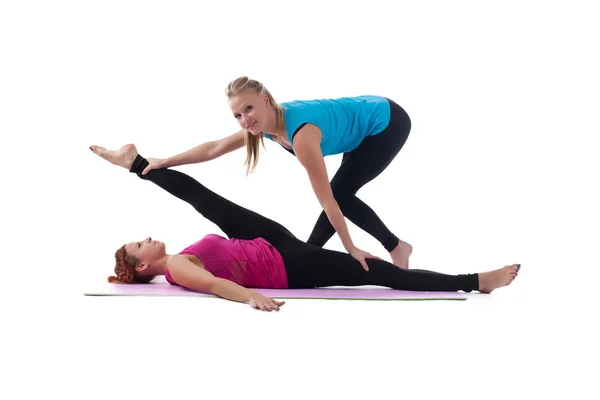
<point>235,221</point>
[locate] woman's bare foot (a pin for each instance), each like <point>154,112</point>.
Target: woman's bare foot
<point>124,157</point>
<point>401,254</point>
<point>488,281</point>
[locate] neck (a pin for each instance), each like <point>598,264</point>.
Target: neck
<point>271,126</point>
<point>158,267</point>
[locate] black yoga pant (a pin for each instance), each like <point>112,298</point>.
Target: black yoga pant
<point>359,167</point>
<point>307,266</point>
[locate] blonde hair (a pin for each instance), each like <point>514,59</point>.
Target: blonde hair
<point>252,142</point>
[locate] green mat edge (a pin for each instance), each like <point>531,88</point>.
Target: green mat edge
<point>279,297</point>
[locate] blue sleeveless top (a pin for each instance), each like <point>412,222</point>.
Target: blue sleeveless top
<point>344,122</point>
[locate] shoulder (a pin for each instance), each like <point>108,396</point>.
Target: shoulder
<point>299,105</point>
<point>307,145</point>
<point>185,273</point>
<point>177,261</point>
<point>177,264</point>
<point>307,136</point>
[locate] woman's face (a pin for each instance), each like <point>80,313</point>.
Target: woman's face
<point>250,110</point>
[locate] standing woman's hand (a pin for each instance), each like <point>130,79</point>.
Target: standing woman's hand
<point>361,256</point>
<point>154,163</point>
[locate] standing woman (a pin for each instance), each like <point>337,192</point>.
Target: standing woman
<point>368,130</point>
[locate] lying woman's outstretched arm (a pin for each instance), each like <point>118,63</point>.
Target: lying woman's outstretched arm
<point>187,274</point>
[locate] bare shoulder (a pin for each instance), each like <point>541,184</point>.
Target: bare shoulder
<point>307,144</point>
<point>178,261</point>
<point>186,273</point>
<point>308,137</point>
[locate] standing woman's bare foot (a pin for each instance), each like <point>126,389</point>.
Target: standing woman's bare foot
<point>401,254</point>
<point>488,281</point>
<point>124,157</point>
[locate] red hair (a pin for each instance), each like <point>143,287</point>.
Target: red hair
<point>125,269</point>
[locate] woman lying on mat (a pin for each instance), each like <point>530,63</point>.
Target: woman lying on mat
<point>260,253</point>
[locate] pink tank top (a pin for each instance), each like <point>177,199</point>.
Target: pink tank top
<point>249,263</point>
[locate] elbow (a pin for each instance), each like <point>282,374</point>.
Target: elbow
<point>212,286</point>
<point>217,286</point>
<point>201,285</point>
<point>212,152</point>
<point>328,203</point>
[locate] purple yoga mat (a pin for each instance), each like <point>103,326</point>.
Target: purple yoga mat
<point>162,288</point>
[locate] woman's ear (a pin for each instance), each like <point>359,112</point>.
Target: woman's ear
<point>142,267</point>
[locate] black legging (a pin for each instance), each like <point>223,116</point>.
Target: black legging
<point>307,266</point>
<point>359,167</point>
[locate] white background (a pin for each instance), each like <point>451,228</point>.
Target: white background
<point>501,167</point>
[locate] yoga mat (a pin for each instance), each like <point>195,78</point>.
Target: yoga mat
<point>162,288</point>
